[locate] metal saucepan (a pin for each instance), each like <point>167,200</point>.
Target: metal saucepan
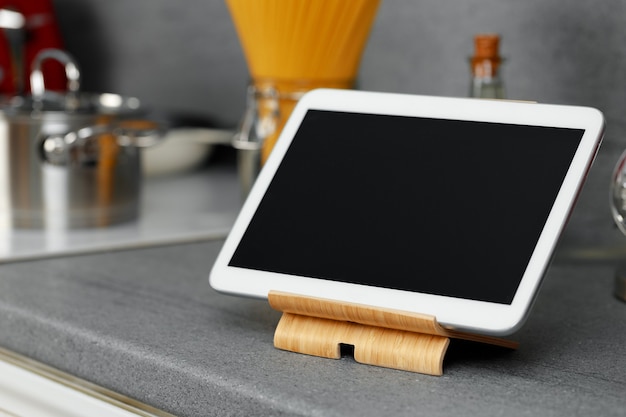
<point>71,160</point>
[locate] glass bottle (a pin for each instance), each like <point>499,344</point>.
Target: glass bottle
<point>618,193</point>
<point>486,65</point>
<point>618,210</point>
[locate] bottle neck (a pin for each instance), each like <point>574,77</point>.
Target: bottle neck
<point>485,68</point>
<point>486,80</point>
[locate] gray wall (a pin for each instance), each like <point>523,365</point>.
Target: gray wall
<point>184,56</point>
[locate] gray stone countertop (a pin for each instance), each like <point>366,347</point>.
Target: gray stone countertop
<point>145,323</point>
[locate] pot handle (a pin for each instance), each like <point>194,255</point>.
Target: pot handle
<point>141,134</point>
<point>72,73</point>
<point>56,149</point>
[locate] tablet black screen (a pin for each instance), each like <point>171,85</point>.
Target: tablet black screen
<point>443,207</point>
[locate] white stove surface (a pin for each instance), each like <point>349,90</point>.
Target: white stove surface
<point>174,209</point>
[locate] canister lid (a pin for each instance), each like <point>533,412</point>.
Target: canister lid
<point>70,102</point>
<point>82,103</point>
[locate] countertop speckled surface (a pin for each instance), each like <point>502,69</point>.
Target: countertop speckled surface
<point>144,322</point>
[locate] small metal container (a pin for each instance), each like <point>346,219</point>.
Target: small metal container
<point>70,160</point>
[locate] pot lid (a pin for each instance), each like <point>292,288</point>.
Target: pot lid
<point>77,103</point>
<point>72,102</point>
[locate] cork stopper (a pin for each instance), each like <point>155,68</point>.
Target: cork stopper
<point>486,58</point>
<point>486,45</point>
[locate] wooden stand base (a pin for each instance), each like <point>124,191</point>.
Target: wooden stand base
<point>382,337</point>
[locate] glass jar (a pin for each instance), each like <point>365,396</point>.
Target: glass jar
<point>269,104</point>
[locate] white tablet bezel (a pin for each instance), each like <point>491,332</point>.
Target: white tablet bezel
<point>460,314</point>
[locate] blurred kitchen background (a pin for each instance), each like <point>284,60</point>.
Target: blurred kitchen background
<point>184,57</point>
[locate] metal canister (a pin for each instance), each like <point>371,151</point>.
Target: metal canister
<point>70,160</point>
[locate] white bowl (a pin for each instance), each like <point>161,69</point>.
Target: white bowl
<point>182,150</point>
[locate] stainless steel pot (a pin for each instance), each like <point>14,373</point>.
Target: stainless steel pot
<point>70,160</point>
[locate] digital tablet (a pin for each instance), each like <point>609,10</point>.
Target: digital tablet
<point>442,206</point>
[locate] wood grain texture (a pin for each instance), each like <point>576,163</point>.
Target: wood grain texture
<point>374,316</point>
<point>390,348</point>
<point>382,337</point>
<point>318,307</point>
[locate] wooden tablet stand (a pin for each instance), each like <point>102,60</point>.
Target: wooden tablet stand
<point>382,337</point>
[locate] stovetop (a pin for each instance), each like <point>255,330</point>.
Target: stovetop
<point>174,209</point>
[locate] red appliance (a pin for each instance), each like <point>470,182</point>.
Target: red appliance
<point>39,31</point>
